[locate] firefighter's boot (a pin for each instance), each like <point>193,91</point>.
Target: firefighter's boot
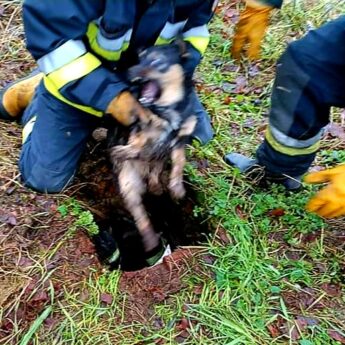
<point>253,170</point>
<point>15,97</point>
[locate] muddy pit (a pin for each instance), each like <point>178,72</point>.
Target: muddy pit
<point>175,221</point>
<point>34,243</point>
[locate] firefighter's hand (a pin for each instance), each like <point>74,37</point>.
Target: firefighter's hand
<point>251,29</point>
<point>126,109</point>
<point>330,201</point>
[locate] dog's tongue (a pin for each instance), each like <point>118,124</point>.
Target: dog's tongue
<point>149,92</point>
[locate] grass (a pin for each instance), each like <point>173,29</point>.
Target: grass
<point>83,218</point>
<point>269,273</point>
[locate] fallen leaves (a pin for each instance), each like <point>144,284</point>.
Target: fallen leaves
<point>182,327</point>
<point>209,259</point>
<point>240,213</point>
<point>277,212</point>
<point>302,300</point>
<point>227,100</point>
<point>336,336</point>
<point>273,329</point>
<point>229,14</point>
<point>223,236</point>
<point>106,298</point>
<point>333,290</point>
<point>311,237</point>
<point>9,218</point>
<point>40,298</point>
<point>237,87</point>
<point>335,131</point>
<point>293,330</point>
<point>241,84</point>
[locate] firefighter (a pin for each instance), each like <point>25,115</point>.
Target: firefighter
<point>83,50</point>
<point>251,27</point>
<point>310,78</point>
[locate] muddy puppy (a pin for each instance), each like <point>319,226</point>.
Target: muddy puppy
<point>141,153</point>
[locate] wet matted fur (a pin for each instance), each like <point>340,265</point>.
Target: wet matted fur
<point>140,154</point>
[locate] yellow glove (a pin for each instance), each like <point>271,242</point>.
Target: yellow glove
<point>251,29</point>
<point>330,201</point>
<point>126,109</point>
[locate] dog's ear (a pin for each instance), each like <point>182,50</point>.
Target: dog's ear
<point>182,45</point>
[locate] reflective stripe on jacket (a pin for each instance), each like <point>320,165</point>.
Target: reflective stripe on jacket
<point>84,47</point>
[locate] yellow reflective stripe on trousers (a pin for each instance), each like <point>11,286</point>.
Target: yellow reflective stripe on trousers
<point>290,151</point>
<point>70,72</point>
<point>52,89</point>
<point>110,55</point>
<point>28,128</point>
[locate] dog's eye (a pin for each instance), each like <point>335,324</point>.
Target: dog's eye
<point>159,65</point>
<point>156,63</point>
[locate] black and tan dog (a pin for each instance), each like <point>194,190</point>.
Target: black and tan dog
<point>143,152</point>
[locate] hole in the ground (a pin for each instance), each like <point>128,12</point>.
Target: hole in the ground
<point>177,222</point>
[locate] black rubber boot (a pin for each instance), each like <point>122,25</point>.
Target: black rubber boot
<point>255,171</point>
<point>107,249</point>
<point>126,252</point>
<point>156,255</point>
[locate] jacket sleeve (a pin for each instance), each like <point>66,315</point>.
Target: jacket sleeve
<point>273,3</point>
<point>54,34</point>
<point>196,34</point>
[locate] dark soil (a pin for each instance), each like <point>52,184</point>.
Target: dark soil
<point>174,221</point>
<point>148,287</point>
<point>39,255</point>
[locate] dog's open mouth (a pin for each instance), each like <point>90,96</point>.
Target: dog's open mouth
<point>150,92</point>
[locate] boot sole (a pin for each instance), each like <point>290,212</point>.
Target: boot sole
<point>4,115</point>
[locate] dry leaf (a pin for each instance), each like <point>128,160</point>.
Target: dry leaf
<point>336,336</point>
<point>106,298</point>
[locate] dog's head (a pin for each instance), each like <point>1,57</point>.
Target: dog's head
<point>160,75</point>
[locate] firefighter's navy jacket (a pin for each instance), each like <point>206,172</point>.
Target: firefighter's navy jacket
<point>273,3</point>
<point>83,47</point>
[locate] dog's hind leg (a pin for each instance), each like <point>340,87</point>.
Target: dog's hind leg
<point>178,160</point>
<point>154,183</point>
<point>132,188</point>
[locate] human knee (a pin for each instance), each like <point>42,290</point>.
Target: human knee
<point>43,180</point>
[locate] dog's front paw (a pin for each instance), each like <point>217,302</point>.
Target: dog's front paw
<point>177,190</point>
